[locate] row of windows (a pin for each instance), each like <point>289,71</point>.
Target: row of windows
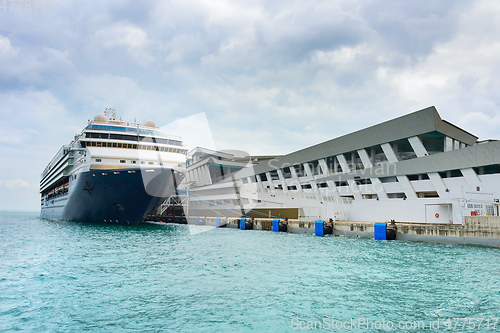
<point>487,169</point>
<point>474,206</point>
<point>85,144</point>
<point>112,136</point>
<point>117,173</point>
<point>353,161</point>
<point>124,129</point>
<point>402,149</point>
<point>98,160</point>
<point>484,170</point>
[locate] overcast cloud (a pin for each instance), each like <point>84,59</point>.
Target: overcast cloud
<point>271,76</point>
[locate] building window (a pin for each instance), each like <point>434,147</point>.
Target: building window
<point>388,179</point>
<point>489,210</point>
<point>487,169</point>
<point>306,186</point>
<point>287,174</point>
<point>363,181</point>
<point>428,194</point>
<point>299,170</point>
<point>314,166</point>
<point>122,161</point>
<point>451,173</point>
<point>274,175</point>
<point>422,176</point>
<point>98,160</point>
<point>396,195</point>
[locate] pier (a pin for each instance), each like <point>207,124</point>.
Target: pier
<point>477,230</point>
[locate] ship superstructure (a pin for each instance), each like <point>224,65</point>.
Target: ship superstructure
<point>113,172</point>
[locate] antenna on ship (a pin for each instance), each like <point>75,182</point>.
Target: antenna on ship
<point>110,114</point>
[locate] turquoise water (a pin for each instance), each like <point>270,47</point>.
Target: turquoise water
<point>62,276</point>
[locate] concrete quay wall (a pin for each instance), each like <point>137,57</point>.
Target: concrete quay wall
<point>480,230</point>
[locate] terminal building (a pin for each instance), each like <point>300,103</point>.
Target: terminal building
<point>415,168</point>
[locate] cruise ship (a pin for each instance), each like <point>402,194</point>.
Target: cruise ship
<point>112,172</point>
<point>417,168</point>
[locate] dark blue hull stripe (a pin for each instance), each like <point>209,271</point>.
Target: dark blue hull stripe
<point>124,196</point>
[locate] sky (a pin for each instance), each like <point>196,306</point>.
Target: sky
<point>270,77</point>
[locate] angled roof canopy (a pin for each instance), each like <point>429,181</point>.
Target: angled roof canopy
<point>416,123</point>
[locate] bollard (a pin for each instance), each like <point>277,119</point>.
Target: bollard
<point>390,234</point>
<point>249,225</point>
<point>327,228</point>
<point>283,227</point>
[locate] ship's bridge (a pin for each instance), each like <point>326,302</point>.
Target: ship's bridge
<point>124,129</point>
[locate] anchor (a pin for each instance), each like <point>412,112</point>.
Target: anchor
<point>91,187</point>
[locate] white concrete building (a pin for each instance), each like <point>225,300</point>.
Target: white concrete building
<point>415,168</point>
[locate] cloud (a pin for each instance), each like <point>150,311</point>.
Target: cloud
<point>6,49</point>
<point>17,184</point>
<point>124,94</point>
<point>194,131</point>
<point>34,118</point>
<point>271,77</point>
<point>460,76</point>
<point>47,67</point>
<point>132,38</point>
<point>129,36</point>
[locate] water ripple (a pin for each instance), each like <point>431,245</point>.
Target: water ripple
<point>61,276</point>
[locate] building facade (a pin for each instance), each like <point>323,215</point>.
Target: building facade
<point>415,168</point>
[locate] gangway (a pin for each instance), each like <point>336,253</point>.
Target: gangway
<point>174,200</point>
